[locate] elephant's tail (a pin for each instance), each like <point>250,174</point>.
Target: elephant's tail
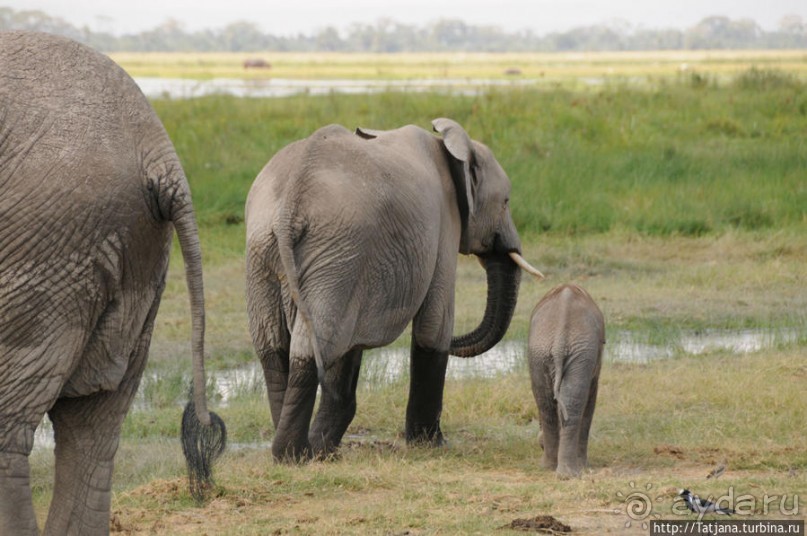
<point>560,349</point>
<point>188,234</point>
<point>204,434</point>
<point>285,244</point>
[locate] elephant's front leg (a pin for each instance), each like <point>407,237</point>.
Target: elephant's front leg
<point>427,380</point>
<point>337,405</point>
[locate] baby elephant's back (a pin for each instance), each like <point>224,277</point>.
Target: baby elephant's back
<point>566,316</point>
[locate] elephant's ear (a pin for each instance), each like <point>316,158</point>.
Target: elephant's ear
<point>459,145</point>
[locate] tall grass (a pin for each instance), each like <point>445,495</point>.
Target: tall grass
<point>680,159</point>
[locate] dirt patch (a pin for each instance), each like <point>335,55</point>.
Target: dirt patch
<point>544,524</point>
<point>161,490</point>
<point>669,450</point>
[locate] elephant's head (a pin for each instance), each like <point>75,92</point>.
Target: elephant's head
<point>488,231</point>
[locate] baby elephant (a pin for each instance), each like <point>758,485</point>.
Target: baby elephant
<point>567,334</point>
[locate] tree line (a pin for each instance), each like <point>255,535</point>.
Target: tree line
<point>451,35</point>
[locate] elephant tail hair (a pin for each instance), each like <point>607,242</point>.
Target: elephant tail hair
<point>202,446</point>
<point>284,236</point>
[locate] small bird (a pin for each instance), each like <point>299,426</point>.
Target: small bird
<point>702,506</point>
<point>717,471</point>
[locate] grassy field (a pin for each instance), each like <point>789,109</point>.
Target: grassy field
<point>682,207</point>
<point>657,428</point>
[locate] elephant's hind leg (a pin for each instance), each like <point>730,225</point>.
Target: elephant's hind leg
<point>547,411</point>
<point>31,380</point>
<point>290,443</point>
<point>337,405</point>
<point>87,432</point>
<point>585,423</point>
<point>16,506</point>
<point>270,335</point>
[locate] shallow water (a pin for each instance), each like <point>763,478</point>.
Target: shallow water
<point>389,364</point>
<point>183,88</point>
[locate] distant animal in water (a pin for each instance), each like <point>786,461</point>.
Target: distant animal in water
<point>512,71</point>
<point>702,506</point>
<point>256,63</point>
<point>567,334</point>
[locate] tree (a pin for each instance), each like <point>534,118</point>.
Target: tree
<point>722,32</point>
<point>386,35</point>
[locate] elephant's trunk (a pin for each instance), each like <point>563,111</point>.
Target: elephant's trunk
<point>504,276</point>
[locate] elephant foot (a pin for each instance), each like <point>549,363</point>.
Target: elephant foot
<point>566,472</point>
<point>426,435</point>
<point>324,450</point>
<point>291,453</point>
<point>549,463</point>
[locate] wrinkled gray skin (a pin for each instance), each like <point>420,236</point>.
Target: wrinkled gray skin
<point>350,236</point>
<point>567,334</point>
<point>89,188</point>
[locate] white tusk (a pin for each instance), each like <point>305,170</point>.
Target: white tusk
<point>524,265</point>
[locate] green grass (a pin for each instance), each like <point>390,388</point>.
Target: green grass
<point>674,160</point>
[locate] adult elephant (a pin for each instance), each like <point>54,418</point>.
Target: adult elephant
<point>350,236</point>
<point>90,186</point>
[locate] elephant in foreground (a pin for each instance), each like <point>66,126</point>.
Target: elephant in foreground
<point>352,235</point>
<point>567,334</point>
<point>90,186</point>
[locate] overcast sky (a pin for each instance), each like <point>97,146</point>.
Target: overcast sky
<point>306,16</point>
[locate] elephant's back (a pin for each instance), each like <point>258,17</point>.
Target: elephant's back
<point>336,178</point>
<point>43,71</point>
<point>72,117</point>
<point>567,312</point>
<point>76,137</point>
